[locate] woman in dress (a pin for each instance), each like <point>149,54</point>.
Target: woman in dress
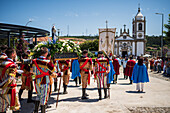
<point>140,75</point>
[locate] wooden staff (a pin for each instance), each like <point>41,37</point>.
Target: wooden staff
<point>58,93</point>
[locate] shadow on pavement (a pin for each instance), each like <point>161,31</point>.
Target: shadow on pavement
<point>121,79</point>
<point>124,84</point>
<point>71,86</point>
<point>52,100</point>
<point>134,92</point>
<point>89,100</point>
<point>89,89</point>
<point>26,107</point>
<point>74,99</point>
<point>56,93</point>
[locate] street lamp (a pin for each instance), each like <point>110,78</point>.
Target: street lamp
<point>162,33</point>
<point>58,33</point>
<point>28,22</point>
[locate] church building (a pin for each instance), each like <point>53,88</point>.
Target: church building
<point>125,44</point>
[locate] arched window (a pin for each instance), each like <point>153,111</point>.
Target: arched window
<point>140,26</point>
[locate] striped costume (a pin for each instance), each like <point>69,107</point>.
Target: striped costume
<point>101,66</point>
<point>42,68</point>
<point>8,86</point>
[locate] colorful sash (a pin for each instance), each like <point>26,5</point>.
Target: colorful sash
<point>65,67</point>
<point>42,72</point>
<point>4,70</point>
<point>81,68</point>
<point>13,94</point>
<point>100,71</point>
<point>28,80</point>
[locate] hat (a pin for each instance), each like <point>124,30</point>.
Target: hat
<point>85,51</point>
<point>100,52</point>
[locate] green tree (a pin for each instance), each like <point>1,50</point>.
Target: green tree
<point>167,26</point>
<point>91,45</point>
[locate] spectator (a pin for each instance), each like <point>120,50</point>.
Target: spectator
<point>168,67</point>
<point>151,64</point>
<point>124,66</point>
<point>159,65</point>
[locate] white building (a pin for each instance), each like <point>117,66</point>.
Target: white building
<point>126,45</point>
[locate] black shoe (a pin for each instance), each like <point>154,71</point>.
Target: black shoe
<point>100,94</point>
<point>84,97</point>
<point>30,97</point>
<point>105,93</point>
<point>87,94</point>
<point>55,86</point>
<point>20,93</point>
<point>37,104</point>
<point>43,108</point>
<point>65,89</point>
<point>84,94</point>
<point>47,106</point>
<point>131,82</point>
<point>65,92</point>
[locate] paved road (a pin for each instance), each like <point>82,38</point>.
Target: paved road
<point>124,98</point>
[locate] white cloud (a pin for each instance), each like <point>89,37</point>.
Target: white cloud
<point>72,14</point>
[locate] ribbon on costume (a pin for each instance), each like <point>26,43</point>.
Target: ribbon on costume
<point>28,79</point>
<point>81,68</point>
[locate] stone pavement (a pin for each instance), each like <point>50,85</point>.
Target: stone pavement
<point>124,98</point>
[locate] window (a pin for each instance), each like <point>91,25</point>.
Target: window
<point>140,26</point>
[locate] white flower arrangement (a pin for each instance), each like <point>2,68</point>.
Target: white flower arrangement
<point>59,46</point>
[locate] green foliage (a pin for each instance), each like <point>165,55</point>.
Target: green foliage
<point>155,41</point>
<point>167,26</point>
<point>91,45</point>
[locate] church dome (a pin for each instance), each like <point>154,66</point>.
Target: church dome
<point>139,15</point>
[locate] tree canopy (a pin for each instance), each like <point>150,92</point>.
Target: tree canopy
<point>167,26</point>
<point>91,45</point>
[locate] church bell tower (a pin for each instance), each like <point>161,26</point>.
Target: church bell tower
<point>138,32</point>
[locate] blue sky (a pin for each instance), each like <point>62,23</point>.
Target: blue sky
<point>84,16</point>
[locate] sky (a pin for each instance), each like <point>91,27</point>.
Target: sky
<point>84,17</point>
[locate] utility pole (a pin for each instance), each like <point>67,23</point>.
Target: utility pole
<point>107,37</point>
<point>162,32</point>
<point>67,30</point>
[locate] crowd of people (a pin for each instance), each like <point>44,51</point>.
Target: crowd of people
<point>43,72</point>
<point>160,65</point>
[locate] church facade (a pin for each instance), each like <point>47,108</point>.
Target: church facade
<point>125,44</point>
